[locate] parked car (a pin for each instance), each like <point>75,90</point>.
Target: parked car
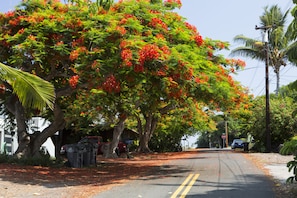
<point>122,147</point>
<point>237,143</point>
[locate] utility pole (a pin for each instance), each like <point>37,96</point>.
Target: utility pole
<point>266,29</point>
<point>226,131</point>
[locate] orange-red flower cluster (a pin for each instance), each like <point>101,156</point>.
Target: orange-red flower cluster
<point>35,19</point>
<point>76,42</point>
<point>111,85</point>
<point>31,37</point>
<point>121,30</point>
<point>9,14</point>
<point>235,62</point>
<point>189,74</point>
<point>124,44</point>
<point>165,49</point>
<point>220,45</point>
<point>59,43</point>
<point>73,23</point>
<point>160,36</point>
<point>127,56</point>
<point>191,27</point>
<point>73,81</point>
<point>202,79</point>
<point>162,71</point>
<point>197,80</point>
<point>95,65</point>
<point>2,88</point>
<point>155,22</point>
<point>21,31</point>
<point>148,52</point>
<point>210,51</point>
<point>16,21</point>
<point>176,93</point>
<point>154,12</point>
<point>198,40</point>
<point>75,53</point>
<point>173,2</point>
<point>125,18</point>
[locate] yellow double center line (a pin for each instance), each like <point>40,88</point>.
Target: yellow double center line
<point>187,184</point>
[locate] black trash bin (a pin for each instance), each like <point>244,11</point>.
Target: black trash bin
<point>87,153</point>
<point>94,152</point>
<point>74,155</point>
<point>245,146</point>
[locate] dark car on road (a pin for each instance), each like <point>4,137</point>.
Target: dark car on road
<point>237,143</point>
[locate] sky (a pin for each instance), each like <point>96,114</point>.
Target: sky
<point>223,20</point>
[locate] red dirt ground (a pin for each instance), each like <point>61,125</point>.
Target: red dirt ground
<point>84,182</point>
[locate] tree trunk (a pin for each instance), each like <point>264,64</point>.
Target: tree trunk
<point>146,132</point>
<point>29,144</point>
<point>117,132</point>
<point>39,138</point>
<point>14,106</point>
<point>277,81</point>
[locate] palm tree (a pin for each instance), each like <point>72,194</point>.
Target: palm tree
<point>278,42</point>
<point>31,90</point>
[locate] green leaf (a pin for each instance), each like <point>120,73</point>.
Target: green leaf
<point>32,91</point>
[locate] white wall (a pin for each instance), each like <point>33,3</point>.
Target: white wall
<point>36,124</point>
<point>39,124</point>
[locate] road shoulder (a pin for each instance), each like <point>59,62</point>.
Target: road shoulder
<point>274,165</point>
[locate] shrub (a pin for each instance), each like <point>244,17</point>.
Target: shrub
<point>290,148</point>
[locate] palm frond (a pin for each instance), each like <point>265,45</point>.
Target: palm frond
<point>273,16</point>
<point>248,52</point>
<point>32,91</point>
<point>245,40</point>
<point>292,53</point>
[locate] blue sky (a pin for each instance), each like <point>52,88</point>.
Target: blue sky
<point>223,20</point>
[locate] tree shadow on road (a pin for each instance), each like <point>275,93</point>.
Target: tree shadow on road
<point>249,186</point>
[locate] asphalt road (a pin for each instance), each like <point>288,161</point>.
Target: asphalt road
<point>209,173</point>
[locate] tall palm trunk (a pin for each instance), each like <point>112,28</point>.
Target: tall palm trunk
<point>277,81</point>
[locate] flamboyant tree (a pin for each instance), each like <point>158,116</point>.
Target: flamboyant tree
<point>180,65</point>
<point>152,61</point>
<point>38,37</point>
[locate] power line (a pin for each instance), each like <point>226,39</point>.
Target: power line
<point>254,75</point>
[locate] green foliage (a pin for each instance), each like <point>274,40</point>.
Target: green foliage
<point>4,158</point>
<point>290,148</point>
<point>43,160</point>
<point>203,140</point>
<point>292,165</point>
<point>282,123</point>
<point>162,142</point>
